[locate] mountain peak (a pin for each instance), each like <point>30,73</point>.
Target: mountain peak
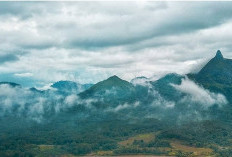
<point>216,71</point>
<point>219,55</point>
<point>112,85</point>
<point>114,77</point>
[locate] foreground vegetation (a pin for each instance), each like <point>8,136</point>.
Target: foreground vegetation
<point>205,138</point>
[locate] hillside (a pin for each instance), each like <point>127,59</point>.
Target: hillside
<point>68,87</point>
<point>112,88</point>
<point>216,75</point>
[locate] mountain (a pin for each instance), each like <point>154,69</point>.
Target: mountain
<point>35,90</point>
<point>216,75</point>
<point>218,71</point>
<point>116,117</point>
<point>168,79</point>
<point>11,84</point>
<point>164,87</point>
<point>111,89</point>
<point>68,87</point>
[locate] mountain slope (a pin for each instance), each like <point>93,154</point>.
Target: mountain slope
<point>216,75</point>
<point>68,87</point>
<point>111,88</point>
<point>11,84</point>
<point>164,87</point>
<point>217,70</point>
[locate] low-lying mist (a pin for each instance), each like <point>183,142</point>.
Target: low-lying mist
<point>190,101</point>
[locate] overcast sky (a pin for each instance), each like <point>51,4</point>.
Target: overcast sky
<point>44,42</point>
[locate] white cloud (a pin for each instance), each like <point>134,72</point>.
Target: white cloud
<point>71,99</point>
<point>159,101</point>
<point>23,74</point>
<point>124,106</point>
<point>35,105</point>
<point>197,94</point>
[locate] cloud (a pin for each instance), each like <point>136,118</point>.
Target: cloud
<point>199,95</point>
<point>47,87</point>
<point>90,41</point>
<point>71,99</point>
<point>197,65</point>
<point>36,106</point>
<point>124,106</point>
<point>8,58</point>
<point>159,101</point>
<point>23,74</point>
<point>12,97</point>
<point>20,101</point>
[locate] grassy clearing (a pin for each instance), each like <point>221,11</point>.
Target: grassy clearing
<point>192,151</point>
<point>104,153</point>
<point>177,148</point>
<point>46,147</point>
<point>145,137</point>
<point>92,155</point>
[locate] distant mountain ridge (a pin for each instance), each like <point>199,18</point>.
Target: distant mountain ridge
<point>70,87</point>
<point>12,84</point>
<point>216,76</point>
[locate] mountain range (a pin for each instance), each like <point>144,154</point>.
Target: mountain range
<point>67,87</point>
<point>98,119</point>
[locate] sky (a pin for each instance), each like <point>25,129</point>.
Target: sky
<point>86,42</point>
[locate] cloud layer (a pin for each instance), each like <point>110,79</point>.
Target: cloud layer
<point>89,41</point>
<point>193,102</point>
<point>35,105</point>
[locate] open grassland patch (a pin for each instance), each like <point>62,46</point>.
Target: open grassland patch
<point>145,137</point>
<point>45,147</point>
<point>190,151</point>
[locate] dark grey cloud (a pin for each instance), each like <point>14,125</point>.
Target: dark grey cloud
<point>115,23</point>
<point>8,58</point>
<point>179,18</point>
<point>9,8</point>
<point>25,10</point>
